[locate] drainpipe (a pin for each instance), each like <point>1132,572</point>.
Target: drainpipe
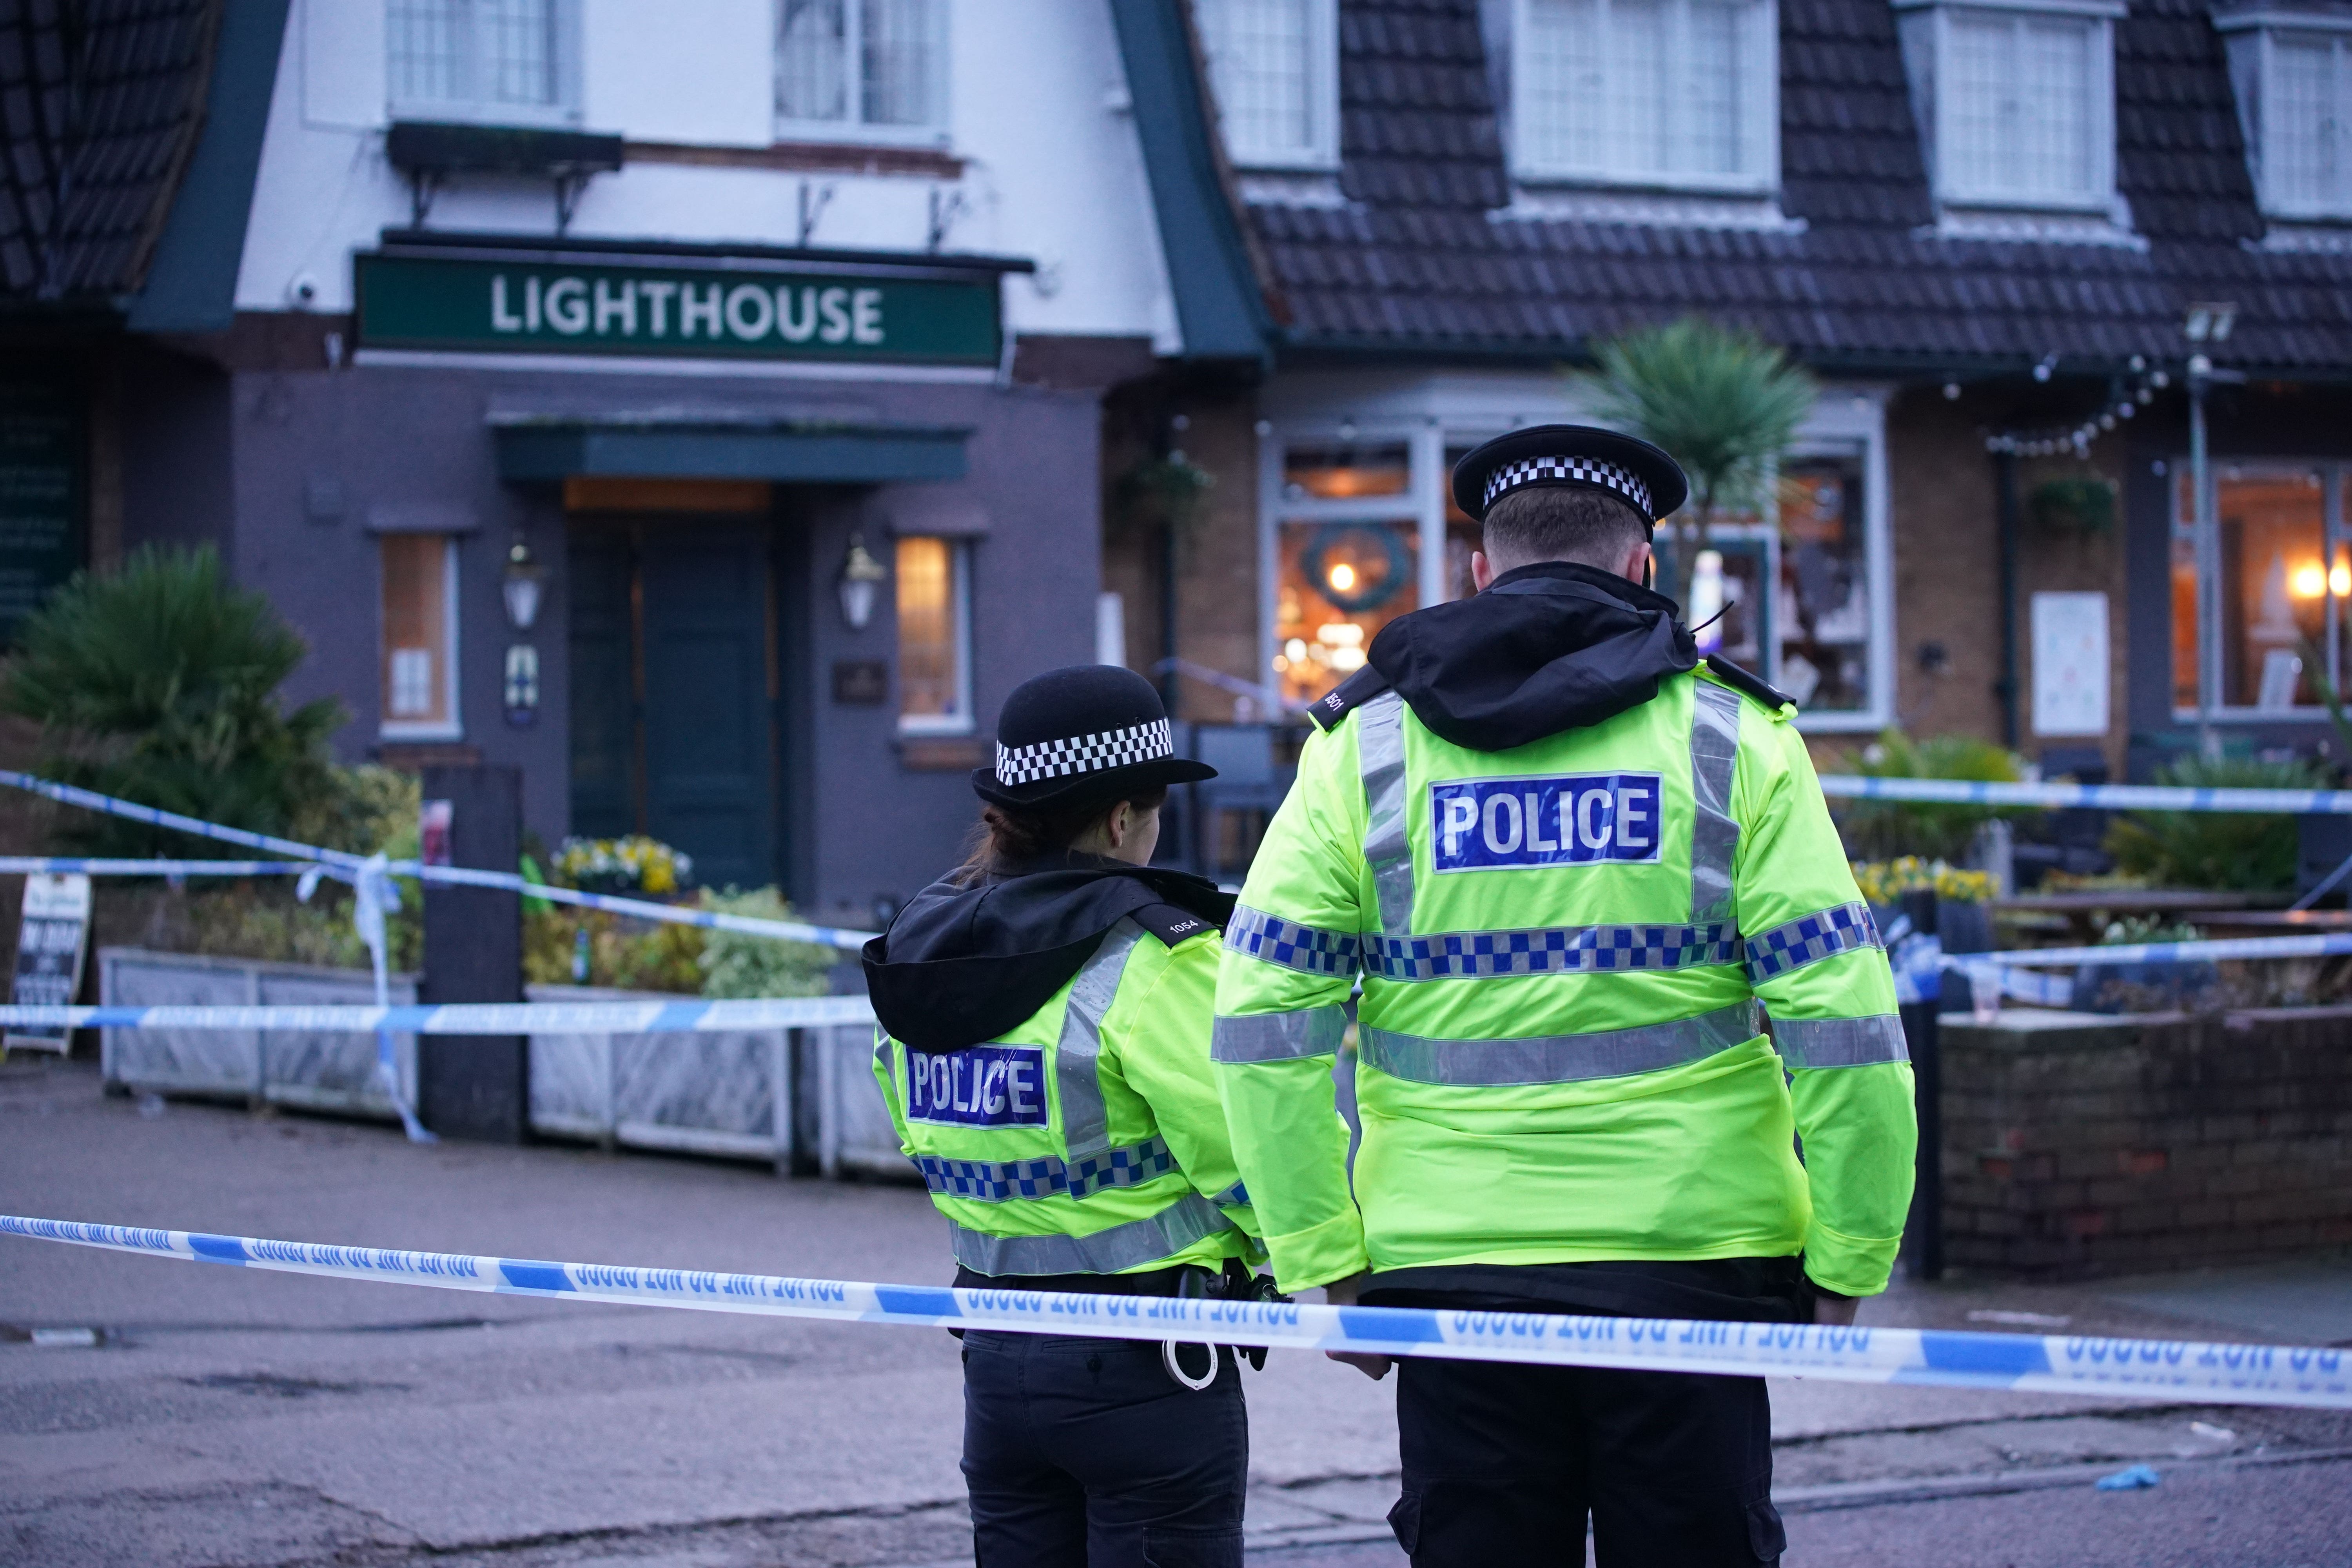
<point>2004,466</point>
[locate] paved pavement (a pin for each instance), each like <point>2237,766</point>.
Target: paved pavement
<point>230,1418</point>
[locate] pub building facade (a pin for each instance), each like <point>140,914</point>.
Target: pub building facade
<point>698,408</point>
<point>1996,232</point>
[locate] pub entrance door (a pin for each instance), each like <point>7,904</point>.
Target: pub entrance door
<point>674,689</point>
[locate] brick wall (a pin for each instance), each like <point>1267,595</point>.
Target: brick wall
<point>2131,1144</point>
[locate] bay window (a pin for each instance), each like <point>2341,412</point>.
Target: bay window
<point>1681,93</point>
<point>1274,72</point>
<point>859,67</point>
<point>2292,76</point>
<point>2016,100</point>
<point>501,60</point>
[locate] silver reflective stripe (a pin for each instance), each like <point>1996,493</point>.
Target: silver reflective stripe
<point>1715,833</point>
<point>1188,1220</point>
<point>1277,1037</point>
<point>1558,1059</point>
<point>1840,1042</point>
<point>1388,846</point>
<point>1809,939</point>
<point>1307,949</point>
<point>1085,1127</point>
<point>1046,1176</point>
<point>1478,954</point>
<point>1234,1196</point>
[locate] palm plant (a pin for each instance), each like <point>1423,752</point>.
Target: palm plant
<point>1724,402</point>
<point>159,683</point>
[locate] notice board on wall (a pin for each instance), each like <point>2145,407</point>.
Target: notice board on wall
<point>2070,664</point>
<point>40,496</point>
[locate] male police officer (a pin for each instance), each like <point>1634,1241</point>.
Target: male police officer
<point>1574,869</point>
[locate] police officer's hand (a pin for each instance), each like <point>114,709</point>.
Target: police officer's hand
<point>1343,1293</point>
<point>1835,1310</point>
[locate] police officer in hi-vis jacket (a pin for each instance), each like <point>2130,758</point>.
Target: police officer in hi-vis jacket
<point>1614,966</point>
<point>1045,1051</point>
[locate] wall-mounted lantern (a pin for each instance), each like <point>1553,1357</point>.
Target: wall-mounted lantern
<point>521,586</point>
<point>522,685</point>
<point>861,579</point>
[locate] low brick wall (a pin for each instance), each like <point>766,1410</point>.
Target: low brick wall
<point>2078,1145</point>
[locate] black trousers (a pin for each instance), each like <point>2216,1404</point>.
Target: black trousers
<point>1085,1454</point>
<point>1504,1464</point>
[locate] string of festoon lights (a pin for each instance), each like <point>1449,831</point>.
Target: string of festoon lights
<point>2127,396</point>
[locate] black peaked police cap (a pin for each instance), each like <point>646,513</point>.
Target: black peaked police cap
<point>1583,456</point>
<point>1085,733</point>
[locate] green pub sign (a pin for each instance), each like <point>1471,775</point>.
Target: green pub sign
<point>543,305</point>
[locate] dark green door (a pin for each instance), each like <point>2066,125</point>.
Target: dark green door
<point>671,675</point>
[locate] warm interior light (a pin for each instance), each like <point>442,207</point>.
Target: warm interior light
<point>2340,582</point>
<point>2310,582</point>
<point>1342,577</point>
<point>1339,634</point>
<point>1347,658</point>
<point>1295,648</point>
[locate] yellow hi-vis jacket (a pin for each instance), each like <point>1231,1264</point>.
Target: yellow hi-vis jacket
<point>1088,1140</point>
<point>1568,951</point>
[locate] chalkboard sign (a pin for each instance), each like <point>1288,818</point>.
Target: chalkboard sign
<point>49,947</point>
<point>40,496</point>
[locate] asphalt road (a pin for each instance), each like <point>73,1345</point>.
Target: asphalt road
<point>238,1420</point>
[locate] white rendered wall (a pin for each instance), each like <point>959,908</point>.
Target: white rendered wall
<point>1036,110</point>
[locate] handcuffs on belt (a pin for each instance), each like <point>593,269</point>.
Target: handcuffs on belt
<point>1236,1283</point>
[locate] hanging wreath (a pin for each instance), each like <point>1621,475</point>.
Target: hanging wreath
<point>1365,595</point>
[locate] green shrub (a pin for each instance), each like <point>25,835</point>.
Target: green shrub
<point>1876,829</point>
<point>737,964</point>
<point>2226,850</point>
<point>159,683</point>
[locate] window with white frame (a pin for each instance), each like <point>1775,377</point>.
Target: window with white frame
<point>419,619</point>
<point>1682,93</point>
<point>2017,100</point>
<point>934,578</point>
<point>2259,591</point>
<point>2293,73</point>
<point>1274,70</point>
<point>483,59</point>
<point>860,68</point>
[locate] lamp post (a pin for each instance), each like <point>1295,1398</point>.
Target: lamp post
<point>2207,322</point>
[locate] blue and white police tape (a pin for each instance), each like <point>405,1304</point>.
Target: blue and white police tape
<point>347,866</point>
<point>2180,1372</point>
<point>70,865</point>
<point>2109,798</point>
<point>679,1017</point>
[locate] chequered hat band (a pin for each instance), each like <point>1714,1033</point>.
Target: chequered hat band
<point>1569,471</point>
<point>1085,753</point>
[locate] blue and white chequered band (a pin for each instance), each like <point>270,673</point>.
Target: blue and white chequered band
<point>1273,940</point>
<point>1047,1176</point>
<point>1476,955</point>
<point>1085,753</point>
<point>1571,472</point>
<point>1808,938</point>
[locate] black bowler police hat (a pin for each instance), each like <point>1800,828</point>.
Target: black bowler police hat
<point>1581,456</point>
<point>1092,731</point>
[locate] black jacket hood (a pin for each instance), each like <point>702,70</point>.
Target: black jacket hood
<point>1551,647</point>
<point>962,965</point>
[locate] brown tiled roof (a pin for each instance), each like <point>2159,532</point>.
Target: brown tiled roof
<point>1423,259</point>
<point>101,106</point>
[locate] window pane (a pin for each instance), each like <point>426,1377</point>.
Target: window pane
<point>931,630</point>
<point>1977,87</point>
<point>2019,117</point>
<point>1340,583</point>
<point>2273,549</point>
<point>1636,52</point>
<point>424,50</point>
<point>1559,78</point>
<point>812,60</point>
<point>1346,471</point>
<point>517,49</point>
<point>2053,109</point>
<point>1637,88</point>
<point>903,44</point>
<point>416,629</point>
<point>1261,71</point>
<point>1822,623</point>
<point>2299,139</point>
<point>1709,143</point>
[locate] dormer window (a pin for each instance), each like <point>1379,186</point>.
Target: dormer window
<point>1668,94</point>
<point>1274,70</point>
<point>2016,100</point>
<point>2293,73</point>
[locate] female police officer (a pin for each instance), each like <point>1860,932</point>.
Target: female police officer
<point>1046,1013</point>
